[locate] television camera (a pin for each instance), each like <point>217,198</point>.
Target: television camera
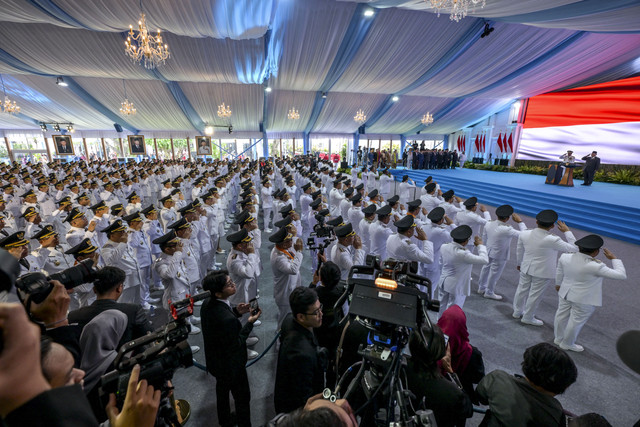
<point>386,299</point>
<point>159,355</point>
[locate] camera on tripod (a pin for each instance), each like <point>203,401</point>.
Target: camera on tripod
<point>386,299</point>
<point>159,355</point>
<point>323,232</point>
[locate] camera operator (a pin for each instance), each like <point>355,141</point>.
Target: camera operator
<point>108,287</point>
<point>526,401</point>
<point>451,405</point>
<point>225,346</point>
<point>328,334</point>
<point>319,412</point>
<point>300,373</point>
<point>28,399</point>
<point>348,251</point>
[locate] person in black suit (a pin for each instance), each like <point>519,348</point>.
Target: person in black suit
<point>225,347</point>
<point>300,372</point>
<point>108,287</point>
<point>591,165</point>
<point>64,146</point>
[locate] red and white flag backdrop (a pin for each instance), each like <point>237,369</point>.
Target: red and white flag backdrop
<point>603,118</point>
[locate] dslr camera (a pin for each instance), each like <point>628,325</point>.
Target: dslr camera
<point>36,287</point>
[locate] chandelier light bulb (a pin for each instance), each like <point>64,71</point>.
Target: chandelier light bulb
<point>457,9</point>
<point>293,114</point>
<point>427,119</point>
<point>145,48</point>
<point>224,111</point>
<point>360,117</point>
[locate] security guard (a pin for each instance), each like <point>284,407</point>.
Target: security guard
<point>285,264</point>
<point>457,261</point>
<point>117,252</point>
<point>348,251</point>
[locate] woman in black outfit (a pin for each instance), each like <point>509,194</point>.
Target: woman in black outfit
<point>450,405</point>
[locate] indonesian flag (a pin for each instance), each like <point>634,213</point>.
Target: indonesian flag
<point>458,143</point>
<point>477,142</point>
<point>484,142</point>
<point>500,143</point>
<point>464,143</point>
<point>511,142</point>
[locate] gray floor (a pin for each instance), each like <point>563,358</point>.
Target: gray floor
<point>605,385</point>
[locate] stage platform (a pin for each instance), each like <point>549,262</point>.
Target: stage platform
<point>606,209</point>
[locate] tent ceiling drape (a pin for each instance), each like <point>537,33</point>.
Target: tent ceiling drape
<point>227,50</point>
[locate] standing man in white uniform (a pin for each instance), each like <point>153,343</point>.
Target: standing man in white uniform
<point>537,260</point>
<point>285,264</point>
<point>348,251</point>
<point>579,279</point>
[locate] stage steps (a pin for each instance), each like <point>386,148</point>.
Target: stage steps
<point>606,219</point>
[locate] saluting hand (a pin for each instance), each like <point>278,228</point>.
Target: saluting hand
<point>477,241</point>
<point>420,234</point>
<point>609,254</point>
<point>357,242</point>
<point>516,218</point>
<point>298,245</point>
<point>92,226</point>
<point>562,226</point>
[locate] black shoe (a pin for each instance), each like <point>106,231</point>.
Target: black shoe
<point>584,184</point>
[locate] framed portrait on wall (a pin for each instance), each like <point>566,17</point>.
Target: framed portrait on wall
<point>136,144</point>
<point>63,144</point>
<point>203,145</point>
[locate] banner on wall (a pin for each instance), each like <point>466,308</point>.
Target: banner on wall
<point>603,118</point>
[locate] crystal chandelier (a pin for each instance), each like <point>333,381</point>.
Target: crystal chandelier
<point>360,117</point>
<point>126,107</point>
<point>8,106</point>
<point>293,114</point>
<point>427,119</point>
<point>457,9</point>
<point>224,111</point>
<point>146,47</point>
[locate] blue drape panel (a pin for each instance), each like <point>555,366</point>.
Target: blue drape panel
<point>572,10</point>
<point>53,10</point>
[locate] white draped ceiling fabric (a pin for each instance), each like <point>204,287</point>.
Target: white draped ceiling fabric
<point>230,50</point>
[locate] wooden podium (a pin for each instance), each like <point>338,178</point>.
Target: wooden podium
<point>556,177</point>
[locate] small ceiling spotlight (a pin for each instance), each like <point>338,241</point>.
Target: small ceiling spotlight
<point>230,129</point>
<point>324,95</point>
<point>267,89</point>
<point>56,127</point>
<point>488,29</point>
<point>43,127</point>
<point>395,98</point>
<point>369,13</point>
<point>60,82</point>
<point>208,130</point>
<point>70,128</point>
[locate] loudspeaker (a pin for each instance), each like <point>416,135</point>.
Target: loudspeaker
<point>117,127</point>
<point>261,127</point>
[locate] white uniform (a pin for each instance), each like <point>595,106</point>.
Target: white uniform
<point>455,281</point>
<point>286,273</point>
<point>405,191</point>
<point>378,235</point>
<point>386,182</point>
<point>537,253</point>
<point>172,271</point>
<point>355,215</point>
<point>121,255</point>
<point>430,202</point>
<point>580,278</point>
<point>402,248</point>
<point>497,236</point>
<point>438,236</point>
<point>365,228</point>
<point>335,197</point>
<point>242,270</point>
<point>346,257</point>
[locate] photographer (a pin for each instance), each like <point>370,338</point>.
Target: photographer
<point>450,404</point>
<point>108,287</point>
<point>225,346</point>
<point>529,401</point>
<point>300,373</point>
